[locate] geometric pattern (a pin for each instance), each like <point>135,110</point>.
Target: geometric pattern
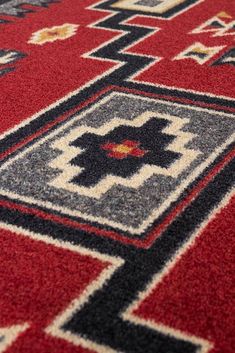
<point>199,52</point>
<point>161,152</point>
<point>220,25</point>
<point>14,7</point>
<point>116,160</point>
<point>163,8</point>
<point>47,173</point>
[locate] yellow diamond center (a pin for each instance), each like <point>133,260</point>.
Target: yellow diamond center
<point>123,149</point>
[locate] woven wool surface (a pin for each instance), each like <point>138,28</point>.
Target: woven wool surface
<point>117,212</point>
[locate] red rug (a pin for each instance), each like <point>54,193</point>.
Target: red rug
<point>117,214</point>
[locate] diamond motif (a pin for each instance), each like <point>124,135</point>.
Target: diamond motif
<point>125,149</point>
<point>54,33</point>
<point>179,148</point>
<point>149,135</point>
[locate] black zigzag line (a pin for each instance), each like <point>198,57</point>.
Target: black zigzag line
<point>99,319</point>
<point>108,327</point>
<point>131,64</point>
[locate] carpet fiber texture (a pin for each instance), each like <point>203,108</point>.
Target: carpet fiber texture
<point>117,205</point>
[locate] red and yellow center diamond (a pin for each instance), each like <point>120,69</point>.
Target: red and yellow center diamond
<point>124,149</point>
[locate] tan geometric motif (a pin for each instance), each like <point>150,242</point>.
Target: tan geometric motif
<point>199,52</point>
<point>52,34</point>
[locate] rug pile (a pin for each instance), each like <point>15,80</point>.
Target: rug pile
<point>117,205</point>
